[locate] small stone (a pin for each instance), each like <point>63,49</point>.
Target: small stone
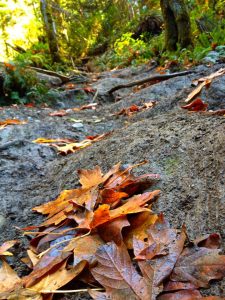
<point>77,125</point>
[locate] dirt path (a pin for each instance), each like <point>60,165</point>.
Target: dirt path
<point>187,150</point>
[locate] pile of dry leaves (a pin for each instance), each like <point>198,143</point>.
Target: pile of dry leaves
<point>105,235</point>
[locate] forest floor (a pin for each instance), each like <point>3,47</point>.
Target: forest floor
<point>185,149</point>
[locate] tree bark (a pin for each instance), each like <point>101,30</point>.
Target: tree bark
<point>50,30</point>
<point>177,24</point>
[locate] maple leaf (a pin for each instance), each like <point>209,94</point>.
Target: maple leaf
<point>51,260</point>
<point>133,205</point>
<point>7,245</point>
<point>139,226</point>
<point>211,241</point>
<point>112,230</point>
<point>117,274</point>
<point>162,237</point>
<point>83,252</point>
<point>55,279</point>
<point>181,295</point>
<point>199,265</point>
<point>90,178</point>
<point>8,278</point>
<point>69,148</point>
<point>111,196</point>
<point>196,105</point>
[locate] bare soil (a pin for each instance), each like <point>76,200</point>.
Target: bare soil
<point>186,149</point>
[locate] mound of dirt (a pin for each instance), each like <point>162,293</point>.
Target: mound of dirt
<point>186,149</point>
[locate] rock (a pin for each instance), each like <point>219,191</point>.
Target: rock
<point>77,125</point>
<point>51,80</point>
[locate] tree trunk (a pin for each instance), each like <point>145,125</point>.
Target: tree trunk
<point>50,30</point>
<point>177,24</point>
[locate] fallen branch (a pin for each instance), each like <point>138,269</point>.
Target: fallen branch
<point>51,73</point>
<point>148,79</point>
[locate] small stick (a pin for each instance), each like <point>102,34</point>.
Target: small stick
<point>148,79</point>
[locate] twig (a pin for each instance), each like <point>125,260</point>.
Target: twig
<point>70,291</point>
<point>148,79</point>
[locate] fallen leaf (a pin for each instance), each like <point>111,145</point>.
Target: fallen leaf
<point>199,265</point>
<point>49,141</point>
<point>204,81</point>
<point>96,295</point>
<point>12,122</point>
<point>117,274</point>
<point>196,105</point>
<point>133,205</point>
<point>55,279</point>
<point>30,105</point>
<point>112,230</point>
<point>84,248</point>
<point>111,196</point>
<point>69,86</point>
<point>90,178</point>
<point>219,112</point>
<point>139,226</point>
<point>8,278</point>
<point>50,261</point>
<point>7,245</point>
<point>69,148</point>
<point>181,295</point>
<point>161,266</point>
<point>88,106</point>
<point>59,113</point>
<point>148,105</point>
<point>22,294</point>
<point>211,241</point>
<point>89,89</point>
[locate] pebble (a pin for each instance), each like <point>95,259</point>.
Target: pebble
<point>77,125</point>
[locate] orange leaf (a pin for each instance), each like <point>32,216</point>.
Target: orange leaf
<point>110,196</point>
<point>139,226</point>
<point>90,178</point>
<point>49,141</point>
<point>55,279</point>
<point>12,122</point>
<point>8,278</point>
<point>196,105</point>
<point>112,230</point>
<point>133,205</point>
<point>59,113</point>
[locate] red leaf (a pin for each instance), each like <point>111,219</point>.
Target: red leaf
<point>196,105</point>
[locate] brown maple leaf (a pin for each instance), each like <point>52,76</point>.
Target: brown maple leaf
<point>199,265</point>
<point>117,274</point>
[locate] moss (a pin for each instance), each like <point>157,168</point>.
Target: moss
<point>171,164</point>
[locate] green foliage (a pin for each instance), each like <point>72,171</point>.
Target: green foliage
<point>37,56</point>
<point>22,86</point>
